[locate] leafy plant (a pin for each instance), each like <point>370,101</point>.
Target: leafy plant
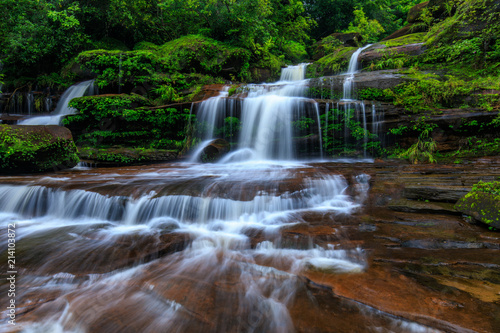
<point>422,151</point>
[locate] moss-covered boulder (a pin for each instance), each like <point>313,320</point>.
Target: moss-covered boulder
<point>482,203</point>
<point>335,62</point>
<point>27,149</point>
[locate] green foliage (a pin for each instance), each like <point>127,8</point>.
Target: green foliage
<point>482,203</point>
<point>369,29</point>
<point>39,34</point>
<point>127,119</point>
<point>302,124</point>
<point>335,15</point>
<point>343,134</point>
<point>405,40</point>
<point>374,94</point>
<point>30,151</point>
<point>166,94</point>
<point>295,52</point>
<point>230,130</point>
<point>487,187</point>
<point>125,156</point>
<point>428,92</point>
<point>188,54</point>
<point>468,38</point>
<point>422,151</point>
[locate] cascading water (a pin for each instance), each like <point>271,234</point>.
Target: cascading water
<point>270,116</point>
<point>213,229</point>
<point>352,113</point>
<point>351,71</point>
<point>62,109</point>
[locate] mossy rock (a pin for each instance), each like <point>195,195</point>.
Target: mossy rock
<point>405,40</point>
<point>415,12</point>
<point>27,149</point>
<point>482,203</point>
<point>333,63</point>
<point>122,156</point>
<point>472,19</point>
<point>149,62</point>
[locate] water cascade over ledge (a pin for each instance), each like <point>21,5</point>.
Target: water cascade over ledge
<point>231,246</point>
<point>62,108</point>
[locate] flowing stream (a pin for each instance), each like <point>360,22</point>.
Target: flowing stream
<point>188,247</point>
<point>62,109</point>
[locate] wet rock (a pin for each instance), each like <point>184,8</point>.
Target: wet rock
<point>412,206</point>
<point>27,149</point>
<point>432,244</point>
<point>208,91</point>
<point>333,85</point>
<point>214,151</point>
<point>121,156</point>
<point>9,119</point>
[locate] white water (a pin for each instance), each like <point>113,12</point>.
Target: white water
<point>216,224</point>
<point>62,108</point>
<point>353,112</point>
<point>267,114</point>
<point>351,71</point>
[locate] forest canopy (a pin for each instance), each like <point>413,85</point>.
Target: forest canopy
<point>41,36</point>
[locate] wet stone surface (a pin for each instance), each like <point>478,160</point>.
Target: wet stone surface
<point>267,248</point>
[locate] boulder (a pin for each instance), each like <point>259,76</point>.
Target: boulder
<point>374,54</point>
<point>26,149</point>
<point>482,203</point>
<point>214,150</point>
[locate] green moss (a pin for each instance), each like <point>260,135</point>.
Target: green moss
<point>469,38</point>
<point>405,40</point>
<point>428,91</point>
<point>333,63</point>
<point>482,203</point>
<point>25,150</point>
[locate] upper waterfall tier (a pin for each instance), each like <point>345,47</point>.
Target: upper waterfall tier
<point>294,73</point>
<point>63,109</point>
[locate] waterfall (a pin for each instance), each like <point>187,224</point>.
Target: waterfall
<point>352,69</point>
<point>271,117</point>
<point>294,73</point>
<point>62,108</point>
<point>352,114</point>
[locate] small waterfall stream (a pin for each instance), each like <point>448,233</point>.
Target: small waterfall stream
<point>270,117</point>
<point>62,108</point>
